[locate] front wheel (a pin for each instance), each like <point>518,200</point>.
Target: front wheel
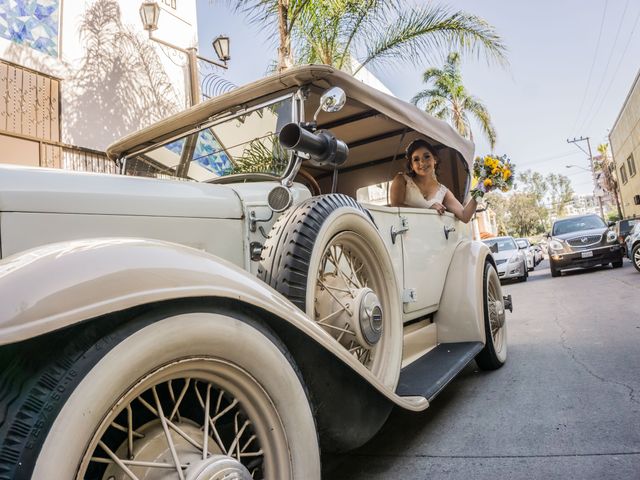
<point>190,395</point>
<point>617,264</point>
<point>494,353</point>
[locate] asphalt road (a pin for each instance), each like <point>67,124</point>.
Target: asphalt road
<point>565,406</point>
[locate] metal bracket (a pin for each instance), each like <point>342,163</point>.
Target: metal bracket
<point>508,303</point>
<point>404,226</point>
<point>409,295</point>
<point>448,230</point>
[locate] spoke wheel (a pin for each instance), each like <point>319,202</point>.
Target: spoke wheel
<point>188,396</point>
<point>344,300</point>
<point>635,255</point>
<point>184,418</point>
<point>494,353</point>
<point>328,258</point>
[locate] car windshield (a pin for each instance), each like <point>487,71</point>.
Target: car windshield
<point>577,224</point>
<point>500,244</point>
<point>246,143</point>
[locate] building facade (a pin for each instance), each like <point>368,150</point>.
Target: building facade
<point>77,75</point>
<point>625,145</point>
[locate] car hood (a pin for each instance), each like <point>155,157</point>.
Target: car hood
<point>582,233</point>
<point>24,189</point>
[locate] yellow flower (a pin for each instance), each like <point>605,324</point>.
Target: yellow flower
<point>506,174</point>
<point>494,170</point>
<point>488,182</point>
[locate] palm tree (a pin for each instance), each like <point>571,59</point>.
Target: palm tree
<point>337,32</point>
<point>446,98</point>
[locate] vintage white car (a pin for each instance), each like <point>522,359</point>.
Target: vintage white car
<point>239,323</point>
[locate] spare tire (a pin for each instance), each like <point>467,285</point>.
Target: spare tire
<point>327,257</point>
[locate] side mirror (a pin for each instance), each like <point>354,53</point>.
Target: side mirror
<point>611,224</point>
<point>331,101</point>
<point>547,234</point>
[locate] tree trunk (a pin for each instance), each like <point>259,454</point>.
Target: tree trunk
<point>285,56</point>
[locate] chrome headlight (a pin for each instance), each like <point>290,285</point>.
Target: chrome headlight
<point>515,258</point>
<point>611,236</point>
<point>555,245</point>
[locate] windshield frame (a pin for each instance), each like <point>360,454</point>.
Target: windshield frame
<point>297,106</point>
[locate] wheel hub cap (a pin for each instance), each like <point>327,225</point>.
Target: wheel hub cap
<point>218,467</point>
<point>370,316</point>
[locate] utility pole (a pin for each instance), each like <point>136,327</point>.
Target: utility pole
<point>593,172</point>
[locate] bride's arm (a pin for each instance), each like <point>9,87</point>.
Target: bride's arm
<point>454,206</point>
<point>398,191</point>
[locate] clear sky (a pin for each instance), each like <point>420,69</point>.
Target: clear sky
<point>572,63</point>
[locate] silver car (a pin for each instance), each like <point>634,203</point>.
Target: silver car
<point>510,260</point>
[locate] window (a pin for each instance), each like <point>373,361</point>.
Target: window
<point>623,174</point>
<point>632,165</point>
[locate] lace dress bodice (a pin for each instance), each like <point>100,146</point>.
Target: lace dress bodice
<point>413,195</point>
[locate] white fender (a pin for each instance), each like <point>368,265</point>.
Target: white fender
<point>460,317</point>
<point>61,284</point>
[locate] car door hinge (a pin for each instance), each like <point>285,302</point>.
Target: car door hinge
<point>395,231</point>
<point>409,295</point>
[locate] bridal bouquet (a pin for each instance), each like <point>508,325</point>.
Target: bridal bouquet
<point>492,173</point>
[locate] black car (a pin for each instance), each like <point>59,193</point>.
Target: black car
<point>582,241</point>
<point>622,229</point>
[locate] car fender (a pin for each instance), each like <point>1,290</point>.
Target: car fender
<point>460,316</point>
<point>59,285</point>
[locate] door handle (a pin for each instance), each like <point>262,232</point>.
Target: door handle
<point>448,230</point>
<point>404,226</point>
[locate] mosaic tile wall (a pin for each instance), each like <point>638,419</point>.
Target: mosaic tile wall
<point>33,23</point>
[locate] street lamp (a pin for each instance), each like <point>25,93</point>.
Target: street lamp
<point>150,14</point>
<point>221,47</point>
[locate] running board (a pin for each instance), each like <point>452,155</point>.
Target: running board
<point>427,376</point>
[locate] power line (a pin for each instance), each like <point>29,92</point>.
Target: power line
<point>546,159</point>
<point>595,56</point>
<point>605,70</point>
<point>615,73</point>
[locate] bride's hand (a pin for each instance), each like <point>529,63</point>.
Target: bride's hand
<point>439,208</point>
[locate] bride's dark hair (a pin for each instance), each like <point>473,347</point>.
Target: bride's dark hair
<point>412,147</point>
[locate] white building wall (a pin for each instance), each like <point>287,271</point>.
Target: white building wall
<point>114,80</point>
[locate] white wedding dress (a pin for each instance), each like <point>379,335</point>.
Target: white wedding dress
<point>413,195</point>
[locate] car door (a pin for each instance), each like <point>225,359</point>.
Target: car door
<point>427,248</point>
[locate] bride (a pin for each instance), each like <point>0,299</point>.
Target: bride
<point>419,186</point>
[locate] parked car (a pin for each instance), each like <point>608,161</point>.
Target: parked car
<point>525,246</point>
<point>511,261</point>
<point>623,228</point>
<point>633,246</point>
<point>582,241</point>
<point>242,310</point>
<point>538,254</point>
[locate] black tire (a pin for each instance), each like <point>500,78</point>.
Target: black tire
<point>525,276</point>
<point>554,271</point>
<point>294,262</point>
<point>492,357</point>
<point>617,263</point>
<point>635,256</point>
<point>47,382</point>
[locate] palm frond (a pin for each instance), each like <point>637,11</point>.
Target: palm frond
<point>428,31</point>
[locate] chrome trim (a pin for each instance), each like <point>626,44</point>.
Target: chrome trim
<point>599,236</point>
